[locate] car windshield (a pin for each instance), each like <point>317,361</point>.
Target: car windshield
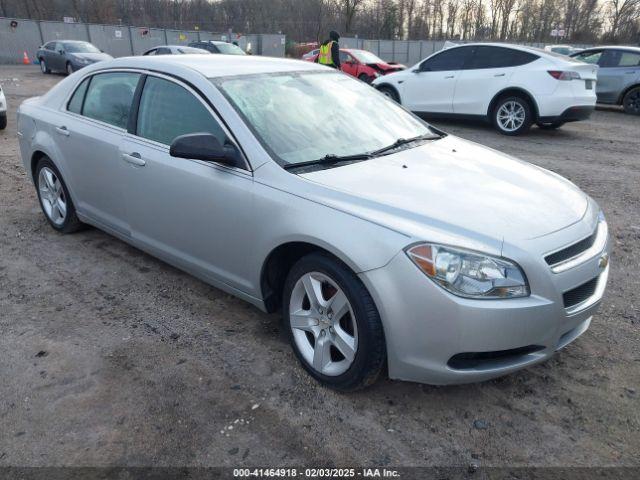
<point>365,57</point>
<point>80,47</point>
<point>305,116</point>
<point>229,49</point>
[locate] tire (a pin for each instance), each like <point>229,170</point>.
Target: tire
<point>3,121</point>
<point>516,124</point>
<point>69,68</point>
<point>356,329</point>
<point>389,92</point>
<point>43,67</point>
<point>365,78</point>
<point>549,126</point>
<point>64,223</point>
<point>631,101</point>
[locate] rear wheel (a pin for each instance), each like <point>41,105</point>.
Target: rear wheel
<point>631,101</point>
<point>43,66</point>
<point>512,115</point>
<point>333,323</point>
<point>54,198</point>
<point>389,92</point>
<point>365,78</point>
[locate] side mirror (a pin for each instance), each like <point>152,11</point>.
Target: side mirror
<point>205,146</point>
<point>61,52</point>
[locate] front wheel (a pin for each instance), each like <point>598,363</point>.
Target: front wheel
<point>69,68</point>
<point>631,101</point>
<point>3,121</point>
<point>333,324</point>
<point>389,92</point>
<point>365,78</point>
<point>512,115</point>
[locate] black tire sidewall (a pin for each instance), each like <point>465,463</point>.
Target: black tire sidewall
<point>365,78</point>
<point>43,67</point>
<point>626,97</point>
<point>71,221</point>
<point>371,352</point>
<point>528,120</point>
<point>3,121</point>
<point>392,93</point>
<point>69,68</point>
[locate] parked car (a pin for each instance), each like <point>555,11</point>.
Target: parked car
<point>512,86</point>
<point>3,110</point>
<point>362,64</point>
<point>214,46</point>
<point>562,49</point>
<point>68,56</point>
<point>174,50</point>
<point>384,241</point>
<point>618,75</point>
<point>312,55</point>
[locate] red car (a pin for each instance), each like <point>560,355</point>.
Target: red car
<point>361,64</point>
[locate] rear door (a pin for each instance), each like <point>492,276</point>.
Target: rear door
<point>89,137</point>
<point>485,74</point>
<point>196,214</point>
<point>430,86</point>
<point>619,69</point>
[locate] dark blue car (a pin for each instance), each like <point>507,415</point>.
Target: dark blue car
<point>68,56</point>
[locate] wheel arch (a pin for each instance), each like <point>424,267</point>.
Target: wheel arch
<point>392,87</point>
<point>513,91</point>
<point>625,91</point>
<point>279,261</point>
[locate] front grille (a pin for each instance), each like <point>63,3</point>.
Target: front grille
<point>580,293</point>
<point>572,250</point>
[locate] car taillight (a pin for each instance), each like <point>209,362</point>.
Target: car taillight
<point>564,75</point>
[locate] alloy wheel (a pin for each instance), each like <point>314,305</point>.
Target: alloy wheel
<point>69,69</point>
<point>511,116</point>
<point>52,197</point>
<point>323,324</point>
<point>43,66</point>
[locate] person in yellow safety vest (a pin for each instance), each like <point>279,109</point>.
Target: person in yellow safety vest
<point>330,51</point>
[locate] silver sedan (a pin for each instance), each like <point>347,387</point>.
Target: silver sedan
<point>385,242</point>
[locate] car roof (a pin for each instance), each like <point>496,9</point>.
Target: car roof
<point>215,65</point>
<point>524,48</point>
<point>615,47</point>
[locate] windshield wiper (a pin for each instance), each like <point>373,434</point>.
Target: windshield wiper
<point>329,159</point>
<point>404,141</point>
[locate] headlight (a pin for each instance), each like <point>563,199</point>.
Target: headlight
<point>469,274</point>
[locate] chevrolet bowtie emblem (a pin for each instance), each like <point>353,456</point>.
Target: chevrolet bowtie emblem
<point>604,260</point>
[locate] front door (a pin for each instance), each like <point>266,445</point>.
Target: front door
<point>618,70</point>
<point>430,86</point>
<point>195,214</point>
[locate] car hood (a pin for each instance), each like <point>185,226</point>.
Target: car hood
<point>386,67</point>
<point>94,57</point>
<point>459,187</point>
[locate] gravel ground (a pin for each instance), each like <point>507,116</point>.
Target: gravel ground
<point>111,357</point>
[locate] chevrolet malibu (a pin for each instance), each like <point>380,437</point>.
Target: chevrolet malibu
<point>386,243</point>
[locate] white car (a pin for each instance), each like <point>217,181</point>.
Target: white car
<point>3,110</point>
<point>510,85</point>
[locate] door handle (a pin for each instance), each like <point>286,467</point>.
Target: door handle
<point>63,131</point>
<point>499,75</point>
<point>449,76</point>
<point>134,159</point>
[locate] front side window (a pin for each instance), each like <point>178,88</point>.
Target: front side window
<point>452,59</point>
<point>499,57</point>
<point>305,116</point>
<point>109,97</point>
<point>592,57</point>
<point>168,110</point>
<point>50,46</point>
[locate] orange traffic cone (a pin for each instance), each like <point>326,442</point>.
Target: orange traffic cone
<point>25,59</point>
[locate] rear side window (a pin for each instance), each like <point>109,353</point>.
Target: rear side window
<point>620,58</point>
<point>109,97</point>
<point>452,59</point>
<point>75,104</point>
<point>499,57</point>
<point>168,110</point>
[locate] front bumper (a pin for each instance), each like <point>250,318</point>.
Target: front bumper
<point>435,337</point>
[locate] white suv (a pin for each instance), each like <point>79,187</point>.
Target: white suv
<point>511,85</point>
